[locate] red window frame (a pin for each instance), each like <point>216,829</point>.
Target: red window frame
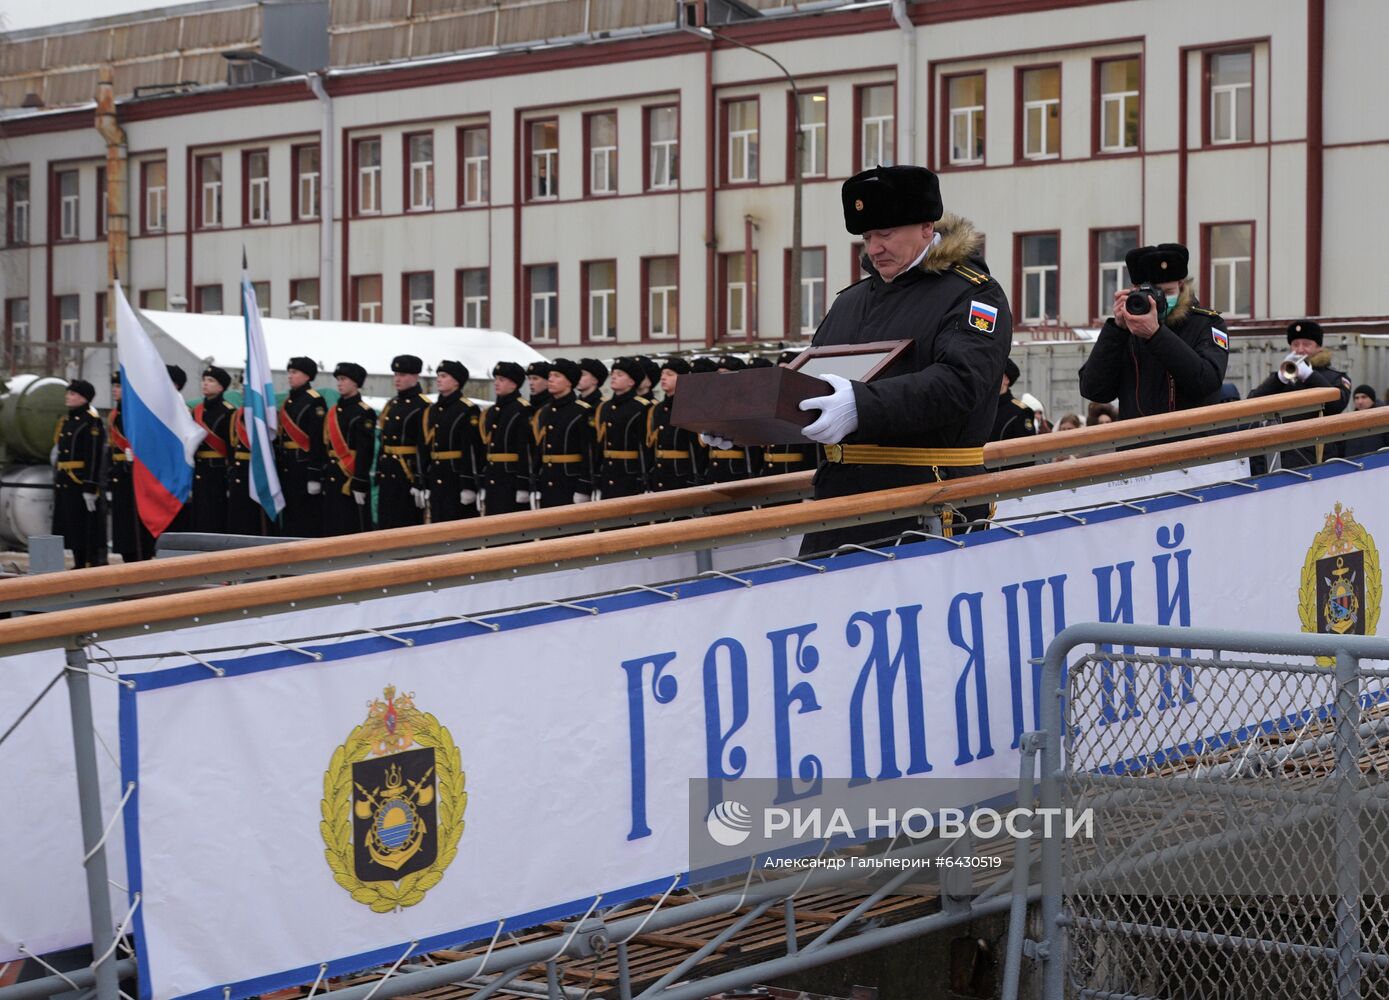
<point>1019,72</point>
<point>786,282</point>
<point>528,335</point>
<point>200,222</point>
<point>295,289</point>
<point>55,203</point>
<point>145,166</point>
<point>646,113</point>
<point>1018,320</point>
<point>585,334</point>
<point>460,141</point>
<point>458,296</point>
<point>246,155</point>
<point>859,88</point>
<point>588,151</point>
<point>646,263</point>
<point>855,255</point>
<point>945,138</point>
<point>791,131</point>
<point>1097,66</point>
<point>356,298</point>
<point>355,200</point>
<point>294,172</point>
<point>724,104</point>
<point>102,218</point>
<point>100,316</point>
<point>408,172</point>
<point>198,291</point>
<point>1095,261</point>
<point>1206,263</point>
<point>407,317</point>
<point>10,183</point>
<point>1206,55</point>
<point>749,334</point>
<point>528,125</point>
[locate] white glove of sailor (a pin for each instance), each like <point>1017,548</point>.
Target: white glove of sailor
<point>582,497</point>
<point>838,412</point>
<point>421,497</point>
<point>90,500</point>
<point>360,496</point>
<point>467,497</point>
<point>524,496</point>
<point>715,442</point>
<point>315,488</point>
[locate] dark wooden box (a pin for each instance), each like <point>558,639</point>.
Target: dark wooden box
<point>753,406</point>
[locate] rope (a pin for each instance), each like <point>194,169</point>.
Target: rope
<point>322,968</point>
<point>120,932</point>
<point>24,714</point>
<point>575,930</point>
<point>129,789</point>
<point>659,903</point>
<point>492,944</point>
<point>391,971</point>
<point>29,954</point>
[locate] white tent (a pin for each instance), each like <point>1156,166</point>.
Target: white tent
<point>193,339</point>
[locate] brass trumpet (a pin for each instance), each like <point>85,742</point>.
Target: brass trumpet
<point>1288,369</point>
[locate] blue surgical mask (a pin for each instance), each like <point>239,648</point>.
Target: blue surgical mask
<point>1172,302</point>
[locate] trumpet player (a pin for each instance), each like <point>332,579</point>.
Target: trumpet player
<point>1307,366</point>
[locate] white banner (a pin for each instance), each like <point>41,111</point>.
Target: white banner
<point>293,813</point>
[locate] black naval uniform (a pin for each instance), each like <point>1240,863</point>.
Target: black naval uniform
<point>349,438</point>
<point>1013,419</point>
<point>620,423</point>
<point>509,440</point>
<point>244,515</point>
<point>209,498</point>
<point>565,450</point>
<point>129,536</point>
<point>958,317</point>
<point>401,465</point>
<point>80,438</point>
<point>729,465</point>
<point>1180,367</point>
<point>780,458</point>
<point>451,432</point>
<point>301,458</point>
<point>678,457</point>
<point>1323,377</point>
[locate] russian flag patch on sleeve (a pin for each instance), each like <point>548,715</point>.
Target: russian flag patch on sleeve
<point>1222,340</point>
<point>983,318</point>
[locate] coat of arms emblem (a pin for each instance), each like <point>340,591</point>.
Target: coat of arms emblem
<point>393,801</point>
<point>1341,583</point>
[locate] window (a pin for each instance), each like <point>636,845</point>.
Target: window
<point>737,310</point>
<point>262,290</point>
<point>67,204</point>
<point>303,294</point>
<point>876,118</point>
<point>418,295</point>
<point>154,298</point>
<point>209,169</point>
<point>600,300</point>
<point>663,147</point>
<point>17,329</point>
<point>307,180</point>
<point>542,293</point>
<point>1039,271</point>
<point>100,316</point>
<point>419,153</point>
<point>813,114</point>
<point>661,276</point>
<point>17,217</point>
<point>474,144</point>
<point>1108,249</point>
<point>366,298</point>
<point>543,138</point>
<point>472,298</point>
<point>811,307</point>
<point>601,138</point>
<point>965,119</point>
<point>103,208</point>
<point>1230,249</point>
<point>740,141</point>
<point>69,310</point>
<point>255,168</point>
<point>857,272</point>
<point>154,181</point>
<point>207,299</point>
<point>1040,129</point>
<point>1118,108</point>
<point>1230,78</point>
<point>366,153</point>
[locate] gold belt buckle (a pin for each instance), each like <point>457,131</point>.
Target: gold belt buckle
<point>834,453</point>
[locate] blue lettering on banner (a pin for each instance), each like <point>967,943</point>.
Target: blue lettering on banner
<point>1174,599</point>
<point>1116,610</point>
<point>802,696</point>
<point>974,646</point>
<point>717,736</point>
<point>883,665</point>
<point>663,689</point>
<point>1037,648</point>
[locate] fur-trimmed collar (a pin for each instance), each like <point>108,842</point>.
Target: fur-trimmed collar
<point>1322,359</point>
<point>959,242</point>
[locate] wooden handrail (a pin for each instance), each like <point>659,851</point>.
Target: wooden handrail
<point>322,554</point>
<point>1088,440</point>
<point>335,587</point>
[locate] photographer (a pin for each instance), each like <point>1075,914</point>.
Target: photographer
<point>1161,351</point>
<point>1307,366</point>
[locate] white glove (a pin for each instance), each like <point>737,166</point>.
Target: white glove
<point>129,455</point>
<point>1304,370</point>
<point>582,497</point>
<point>715,442</point>
<point>838,412</point>
<point>467,497</point>
<point>90,500</point>
<point>110,497</point>
<point>421,496</point>
<point>315,488</point>
<point>535,499</point>
<point>523,497</point>
<point>360,496</point>
<point>597,495</point>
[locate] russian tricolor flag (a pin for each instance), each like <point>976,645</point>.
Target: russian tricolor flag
<point>162,432</point>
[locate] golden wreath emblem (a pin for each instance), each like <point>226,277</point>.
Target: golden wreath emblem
<point>1341,582</point>
<point>393,801</point>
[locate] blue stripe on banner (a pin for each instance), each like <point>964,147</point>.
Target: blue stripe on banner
<point>130,769</point>
<point>154,444</point>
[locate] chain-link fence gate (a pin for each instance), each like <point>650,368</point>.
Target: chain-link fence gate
<point>1238,844</point>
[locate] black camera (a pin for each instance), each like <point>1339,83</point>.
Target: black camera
<point>1141,298</point>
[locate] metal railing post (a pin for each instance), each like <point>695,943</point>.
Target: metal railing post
<point>89,802</point>
<point>1017,915</point>
<point>1348,943</point>
<point>1050,950</point>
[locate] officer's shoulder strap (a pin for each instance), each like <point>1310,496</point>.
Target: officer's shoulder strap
<point>586,406</point>
<point>1020,405</point>
<point>644,401</point>
<point>314,393</point>
<point>426,399</point>
<point>970,274</point>
<point>524,401</point>
<point>1206,312</point>
<point>362,403</point>
<point>92,411</point>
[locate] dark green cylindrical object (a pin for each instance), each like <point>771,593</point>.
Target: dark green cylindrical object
<point>30,408</point>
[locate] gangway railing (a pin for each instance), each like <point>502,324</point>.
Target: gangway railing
<point>42,592</point>
<point>142,615</point>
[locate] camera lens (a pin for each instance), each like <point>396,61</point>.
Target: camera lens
<point>1138,303</point>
